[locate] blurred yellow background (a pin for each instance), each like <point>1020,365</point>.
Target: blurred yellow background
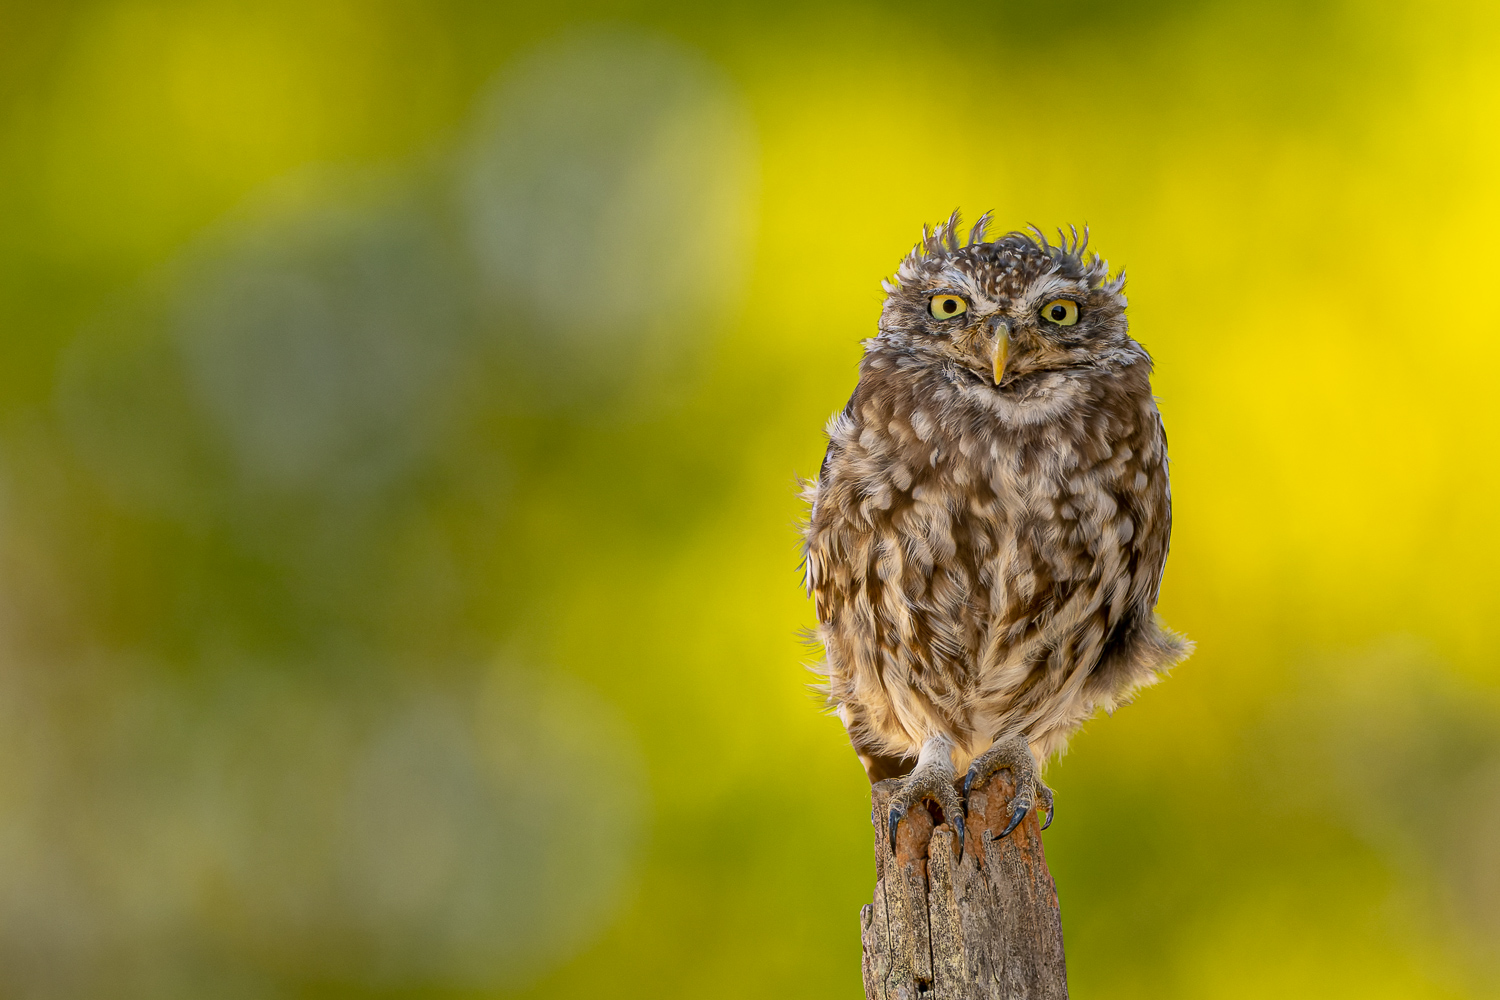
<point>400,411</point>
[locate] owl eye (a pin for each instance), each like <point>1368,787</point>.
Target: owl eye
<point>947,306</point>
<point>1063,312</point>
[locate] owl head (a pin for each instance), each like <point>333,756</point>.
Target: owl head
<point>1004,310</point>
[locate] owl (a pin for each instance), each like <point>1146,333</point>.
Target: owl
<point>988,529</point>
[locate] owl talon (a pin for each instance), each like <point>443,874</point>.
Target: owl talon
<point>1014,755</point>
<point>953,817</point>
<point>1015,821</point>
<point>931,780</point>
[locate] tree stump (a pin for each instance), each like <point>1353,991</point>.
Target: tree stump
<point>985,928</point>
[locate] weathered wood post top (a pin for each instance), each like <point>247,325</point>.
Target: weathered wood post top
<point>986,927</point>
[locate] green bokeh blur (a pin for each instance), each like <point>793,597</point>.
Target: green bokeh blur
<point>401,406</point>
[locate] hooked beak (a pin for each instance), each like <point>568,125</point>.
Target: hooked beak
<point>1002,350</point>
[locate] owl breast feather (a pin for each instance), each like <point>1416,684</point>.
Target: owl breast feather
<point>987,565</point>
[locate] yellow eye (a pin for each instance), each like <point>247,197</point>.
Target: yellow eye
<point>1063,312</point>
<point>947,306</point>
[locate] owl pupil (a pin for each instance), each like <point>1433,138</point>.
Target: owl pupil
<point>949,306</point>
<point>1058,312</point>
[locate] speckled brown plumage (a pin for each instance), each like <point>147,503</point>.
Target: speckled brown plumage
<point>985,556</point>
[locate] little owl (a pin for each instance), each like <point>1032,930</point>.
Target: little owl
<point>990,523</point>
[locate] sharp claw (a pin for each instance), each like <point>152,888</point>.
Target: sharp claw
<point>958,831</point>
<point>969,781</point>
<point>896,813</point>
<point>1051,815</point>
<point>1015,821</point>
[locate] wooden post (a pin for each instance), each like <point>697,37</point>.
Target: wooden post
<point>986,928</point>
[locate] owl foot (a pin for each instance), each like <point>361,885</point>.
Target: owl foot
<point>1013,754</point>
<point>931,779</point>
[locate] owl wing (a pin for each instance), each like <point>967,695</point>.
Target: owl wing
<point>820,539</point>
<point>1138,649</point>
<point>1151,508</point>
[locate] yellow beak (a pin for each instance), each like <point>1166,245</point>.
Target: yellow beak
<point>1002,351</point>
